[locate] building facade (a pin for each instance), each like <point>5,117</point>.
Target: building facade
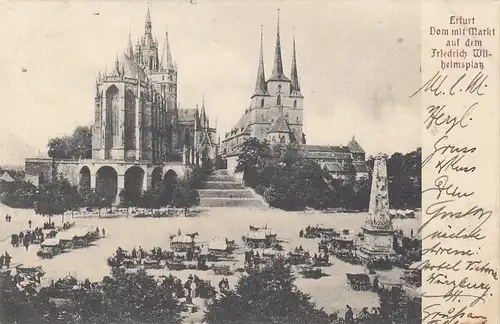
<point>276,114</point>
<point>140,135</point>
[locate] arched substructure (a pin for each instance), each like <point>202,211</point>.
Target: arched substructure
<point>84,179</point>
<point>107,184</point>
<point>134,179</point>
<point>111,120</point>
<point>156,177</point>
<point>169,184</point>
<point>129,124</point>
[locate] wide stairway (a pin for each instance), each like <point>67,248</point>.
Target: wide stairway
<point>222,190</point>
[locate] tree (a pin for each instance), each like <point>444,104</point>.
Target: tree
<point>18,194</point>
<point>50,199</point>
<point>185,196</point>
<point>76,146</point>
<point>252,160</point>
<point>80,143</point>
<point>58,148</point>
<point>138,298</point>
<point>266,295</point>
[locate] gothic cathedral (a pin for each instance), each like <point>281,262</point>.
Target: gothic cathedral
<point>137,117</point>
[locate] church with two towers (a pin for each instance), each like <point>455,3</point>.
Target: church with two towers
<point>276,115</point>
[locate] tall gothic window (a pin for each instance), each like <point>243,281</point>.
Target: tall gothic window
<point>283,139</point>
<point>262,102</point>
<point>129,127</point>
<point>278,100</point>
<point>295,104</point>
<point>111,115</point>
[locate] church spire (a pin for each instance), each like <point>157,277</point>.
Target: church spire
<point>294,77</point>
<point>260,84</point>
<point>278,63</point>
<point>130,49</point>
<point>166,56</point>
<point>148,22</point>
<point>148,36</point>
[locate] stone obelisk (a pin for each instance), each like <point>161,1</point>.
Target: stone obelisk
<point>378,231</point>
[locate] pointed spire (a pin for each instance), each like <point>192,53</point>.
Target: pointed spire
<point>130,49</point>
<point>117,64</point>
<point>294,77</point>
<point>278,63</point>
<point>148,29</point>
<point>166,56</point>
<point>260,84</point>
<point>148,17</point>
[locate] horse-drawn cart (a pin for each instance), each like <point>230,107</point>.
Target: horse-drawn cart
<point>182,243</point>
<point>50,248</point>
<point>221,270</point>
<point>261,238</point>
<point>359,281</point>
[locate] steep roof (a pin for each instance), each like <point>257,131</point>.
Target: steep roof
<point>260,84</point>
<point>334,167</point>
<point>361,166</point>
<point>280,125</point>
<point>187,115</point>
<point>131,69</point>
<point>278,74</point>
<point>355,147</point>
<point>7,177</point>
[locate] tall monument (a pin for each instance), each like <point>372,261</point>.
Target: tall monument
<point>378,231</point>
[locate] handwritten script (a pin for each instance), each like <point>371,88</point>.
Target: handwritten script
<point>458,279</point>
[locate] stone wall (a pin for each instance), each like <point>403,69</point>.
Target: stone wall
<point>38,167</point>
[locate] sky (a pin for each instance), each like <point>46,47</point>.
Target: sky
<point>358,62</point>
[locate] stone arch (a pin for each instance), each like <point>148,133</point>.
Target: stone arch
<point>156,176</point>
<point>129,121</point>
<point>106,184</point>
<point>133,180</point>
<point>169,184</point>
<point>111,119</point>
<point>84,179</point>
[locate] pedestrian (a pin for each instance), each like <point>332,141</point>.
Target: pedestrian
<point>29,223</point>
<point>411,233</point>
<point>349,315</point>
<point>7,259</point>
<point>103,233</point>
<point>26,242</point>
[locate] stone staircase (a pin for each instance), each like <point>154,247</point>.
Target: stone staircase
<point>222,190</point>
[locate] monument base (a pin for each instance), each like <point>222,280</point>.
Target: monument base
<point>377,244</point>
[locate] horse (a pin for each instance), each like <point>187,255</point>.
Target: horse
<point>52,234</point>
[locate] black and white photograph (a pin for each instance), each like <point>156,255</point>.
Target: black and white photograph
<point>210,162</point>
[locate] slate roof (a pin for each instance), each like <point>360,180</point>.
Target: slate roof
<point>187,115</point>
<point>334,167</point>
<point>280,125</point>
<point>355,147</point>
<point>361,166</point>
